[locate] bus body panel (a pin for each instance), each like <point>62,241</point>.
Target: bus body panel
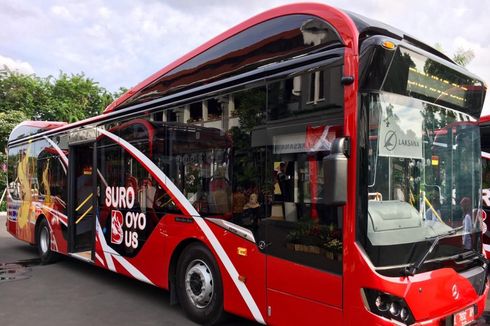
<point>58,240</point>
<point>317,294</point>
<point>427,294</point>
<point>149,261</point>
<point>153,260</point>
<point>351,301</point>
<point>250,265</point>
<point>294,310</point>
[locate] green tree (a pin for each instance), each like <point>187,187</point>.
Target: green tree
<point>8,121</point>
<point>28,97</point>
<point>251,107</point>
<point>74,97</point>
<point>25,93</point>
<point>67,98</point>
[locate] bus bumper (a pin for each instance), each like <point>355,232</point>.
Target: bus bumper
<point>478,304</point>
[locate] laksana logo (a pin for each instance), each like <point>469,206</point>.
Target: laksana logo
<point>390,140</point>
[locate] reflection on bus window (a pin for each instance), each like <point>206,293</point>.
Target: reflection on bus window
<point>422,172</point>
<point>252,157</point>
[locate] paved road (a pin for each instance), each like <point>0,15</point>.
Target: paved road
<point>73,293</point>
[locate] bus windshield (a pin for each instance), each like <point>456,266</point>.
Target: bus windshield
<point>423,180</point>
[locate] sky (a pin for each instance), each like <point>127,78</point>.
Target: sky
<point>121,42</point>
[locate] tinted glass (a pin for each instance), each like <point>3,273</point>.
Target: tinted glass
<point>52,176</point>
<point>26,130</point>
<point>306,93</point>
<point>305,114</point>
<point>27,185</point>
<point>13,181</point>
<point>417,76</point>
<point>131,202</point>
<point>251,157</point>
<point>37,173</point>
<point>257,162</point>
<point>424,174</point>
<point>271,41</point>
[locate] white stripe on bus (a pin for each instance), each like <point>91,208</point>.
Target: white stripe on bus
<point>103,245</point>
<point>486,247</point>
<point>191,211</point>
<point>111,254</point>
<point>101,261</point>
<point>131,269</point>
<point>485,155</point>
<point>62,217</point>
<point>58,149</point>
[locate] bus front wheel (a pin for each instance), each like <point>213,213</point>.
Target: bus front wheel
<point>199,285</point>
<point>43,240</point>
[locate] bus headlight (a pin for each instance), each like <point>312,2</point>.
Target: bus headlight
<point>382,303</point>
<point>404,314</point>
<point>395,308</point>
<point>388,306</point>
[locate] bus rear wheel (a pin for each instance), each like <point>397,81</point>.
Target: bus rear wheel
<point>43,241</point>
<point>199,285</point>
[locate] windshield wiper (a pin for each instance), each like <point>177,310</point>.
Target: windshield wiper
<point>413,268</point>
<point>464,256</point>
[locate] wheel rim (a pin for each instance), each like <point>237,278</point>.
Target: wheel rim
<point>44,240</point>
<point>199,284</point>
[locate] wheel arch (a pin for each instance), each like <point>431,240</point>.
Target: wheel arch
<point>39,219</point>
<point>172,269</point>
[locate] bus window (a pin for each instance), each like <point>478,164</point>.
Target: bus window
<point>197,161</point>
<point>422,173</point>
<point>52,176</point>
<point>305,115</point>
<point>306,93</point>
<point>274,40</point>
<point>250,190</point>
<point>13,163</point>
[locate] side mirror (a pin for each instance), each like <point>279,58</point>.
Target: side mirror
<point>335,173</point>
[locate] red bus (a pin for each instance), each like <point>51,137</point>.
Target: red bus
<point>308,166</point>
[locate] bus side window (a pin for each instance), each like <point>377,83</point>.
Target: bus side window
<point>306,112</point>
<point>13,181</point>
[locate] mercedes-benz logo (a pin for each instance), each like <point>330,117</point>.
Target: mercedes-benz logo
<point>390,140</point>
<point>455,292</point>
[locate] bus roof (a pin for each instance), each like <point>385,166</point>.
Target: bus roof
<point>314,9</point>
<point>356,25</point>
<point>29,128</point>
<point>367,25</point>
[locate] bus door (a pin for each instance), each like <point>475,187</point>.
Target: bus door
<point>82,202</point>
<point>303,236</point>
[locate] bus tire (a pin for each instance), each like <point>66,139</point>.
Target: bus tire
<point>43,241</point>
<point>199,285</point>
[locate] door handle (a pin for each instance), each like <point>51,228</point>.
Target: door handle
<point>263,244</point>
